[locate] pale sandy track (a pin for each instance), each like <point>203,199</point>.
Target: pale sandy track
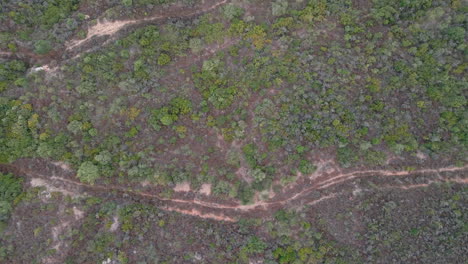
<point>109,28</point>
<point>198,207</point>
<point>349,176</point>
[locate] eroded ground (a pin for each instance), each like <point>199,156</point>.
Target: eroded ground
<point>236,132</point>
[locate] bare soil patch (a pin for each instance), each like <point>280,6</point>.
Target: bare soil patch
<point>322,187</point>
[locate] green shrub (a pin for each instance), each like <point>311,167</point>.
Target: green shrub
<point>58,9</point>
<point>457,34</point>
<point>5,210</point>
<point>213,84</point>
<point>279,7</point>
<point>285,255</point>
<point>127,2</point>
<point>346,156</point>
<point>306,167</point>
<point>18,130</point>
<point>180,106</point>
<point>104,157</point>
<point>258,175</point>
<point>42,47</point>
<point>167,119</point>
<point>250,154</point>
<point>245,193</point>
<point>75,126</point>
<point>164,59</point>
<point>255,245</point>
<point>196,45</point>
<point>10,189</point>
<point>222,188</point>
<point>232,11</point>
<point>315,11</point>
<point>11,72</point>
<point>211,32</point>
<point>167,115</point>
<point>88,172</point>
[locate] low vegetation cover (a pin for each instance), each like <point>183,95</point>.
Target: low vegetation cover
<point>239,102</point>
<point>10,191</point>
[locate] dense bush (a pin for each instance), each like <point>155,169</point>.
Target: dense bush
<point>164,59</point>
<point>215,88</point>
<point>42,47</point>
<point>282,84</point>
<point>232,11</point>
<point>167,115</point>
<point>88,172</point>
<point>10,189</point>
<point>10,73</point>
<point>18,130</point>
<point>279,7</point>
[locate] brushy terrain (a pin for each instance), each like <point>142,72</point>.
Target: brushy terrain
<point>243,131</point>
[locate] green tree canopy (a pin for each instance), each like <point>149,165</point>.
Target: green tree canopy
<point>88,172</point>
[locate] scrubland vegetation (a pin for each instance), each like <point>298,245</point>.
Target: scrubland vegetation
<point>248,97</point>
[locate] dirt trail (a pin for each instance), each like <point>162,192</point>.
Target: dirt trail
<point>349,176</point>
<point>220,211</point>
<point>109,28</point>
<point>229,212</point>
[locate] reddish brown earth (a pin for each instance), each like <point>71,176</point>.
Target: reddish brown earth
<point>111,27</point>
<point>310,190</point>
<point>101,33</point>
<point>319,187</point>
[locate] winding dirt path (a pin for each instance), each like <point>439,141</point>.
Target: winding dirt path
<point>204,208</point>
<point>75,47</point>
<point>231,211</point>
<point>112,27</point>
